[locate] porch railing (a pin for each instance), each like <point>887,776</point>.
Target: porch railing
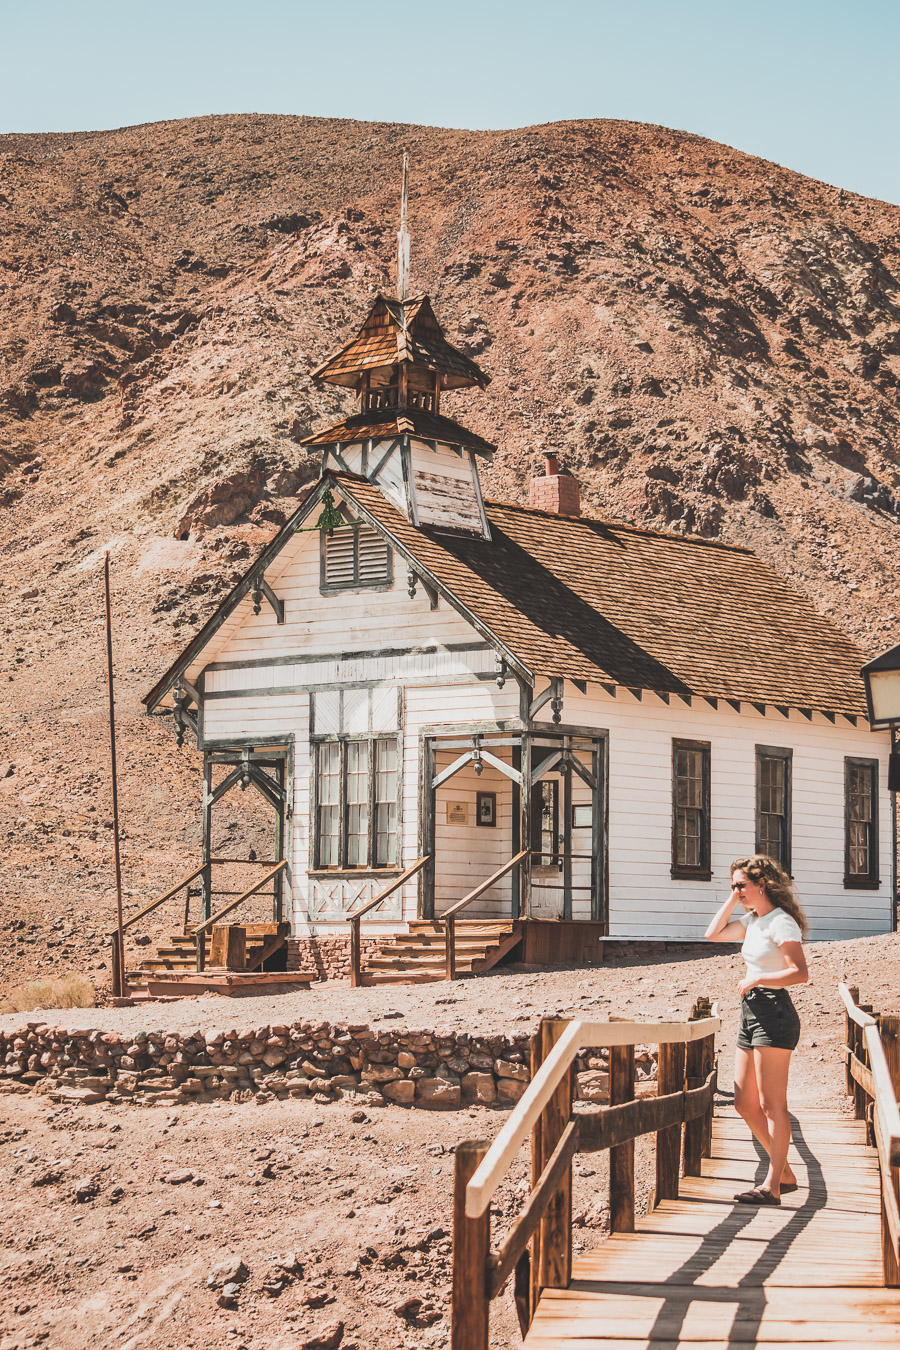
<point>201,930</point>
<point>204,871</point>
<point>872,1063</point>
<point>449,916</point>
<point>356,918</point>
<point>686,1087</point>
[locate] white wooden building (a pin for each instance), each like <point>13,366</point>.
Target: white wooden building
<point>438,676</point>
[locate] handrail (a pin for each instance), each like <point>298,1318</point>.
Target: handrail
<point>383,895</point>
<point>485,885</point>
<point>185,881</point>
<point>856,1014</point>
<point>872,1073</point>
<point>538,1247</point>
<point>449,915</point>
<point>354,919</point>
<point>495,1164</point>
<point>226,909</point>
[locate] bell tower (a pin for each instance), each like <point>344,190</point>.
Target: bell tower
<point>398,364</point>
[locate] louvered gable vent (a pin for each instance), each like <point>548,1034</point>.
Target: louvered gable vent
<point>356,556</point>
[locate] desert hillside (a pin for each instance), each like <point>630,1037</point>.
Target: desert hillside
<point>710,342</point>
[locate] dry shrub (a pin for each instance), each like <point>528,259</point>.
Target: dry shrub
<point>63,991</point>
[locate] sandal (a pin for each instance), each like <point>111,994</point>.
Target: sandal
<point>788,1186</point>
<point>757,1195</point>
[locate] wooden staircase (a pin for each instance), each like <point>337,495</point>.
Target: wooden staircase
<point>177,953</point>
<point>419,956</point>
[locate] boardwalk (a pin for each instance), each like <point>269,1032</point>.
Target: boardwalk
<point>701,1270</point>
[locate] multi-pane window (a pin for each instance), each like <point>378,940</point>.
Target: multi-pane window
<point>861,822</point>
<point>773,803</point>
<point>690,809</point>
<point>356,803</point>
<point>354,556</point>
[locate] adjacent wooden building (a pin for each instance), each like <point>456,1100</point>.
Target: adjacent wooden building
<point>411,671</point>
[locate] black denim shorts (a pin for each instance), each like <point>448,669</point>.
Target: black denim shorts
<point>768,1017</point>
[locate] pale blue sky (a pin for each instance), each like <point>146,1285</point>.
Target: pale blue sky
<point>812,84</point>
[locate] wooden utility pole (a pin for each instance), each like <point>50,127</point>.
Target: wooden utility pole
<point>118,973</point>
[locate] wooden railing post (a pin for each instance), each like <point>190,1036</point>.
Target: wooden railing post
<point>471,1244</point>
<point>850,1042</point>
<point>621,1157</point>
<point>694,1130</point>
<point>890,1037</point>
<point>355,953</point>
<point>117,990</point>
<point>868,1105</point>
<point>857,1046</point>
<point>555,1250</point>
<point>707,1066</point>
<point>670,1078</point>
<point>450,946</point>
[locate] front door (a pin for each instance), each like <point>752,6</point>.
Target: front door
<point>567,830</point>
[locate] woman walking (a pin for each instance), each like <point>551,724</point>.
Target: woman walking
<point>772,929</point>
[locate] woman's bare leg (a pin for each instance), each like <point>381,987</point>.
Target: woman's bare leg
<point>772,1068</point>
<point>748,1104</point>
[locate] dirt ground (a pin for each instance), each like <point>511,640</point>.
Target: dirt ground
<point>116,1218</point>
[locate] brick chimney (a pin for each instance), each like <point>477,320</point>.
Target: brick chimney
<point>556,492</point>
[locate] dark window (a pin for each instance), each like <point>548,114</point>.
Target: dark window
<point>356,803</point>
<point>861,822</point>
<point>545,822</point>
<point>773,803</point>
<point>353,557</point>
<point>690,809</point>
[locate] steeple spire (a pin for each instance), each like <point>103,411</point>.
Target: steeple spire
<point>403,239</point>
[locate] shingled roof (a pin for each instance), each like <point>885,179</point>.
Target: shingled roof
<point>385,340</point>
<point>588,600</point>
<point>384,422</point>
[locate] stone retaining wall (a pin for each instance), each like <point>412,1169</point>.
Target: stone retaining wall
<point>440,1069</point>
<point>328,956</point>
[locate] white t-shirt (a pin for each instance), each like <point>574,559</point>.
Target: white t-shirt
<point>762,945</point>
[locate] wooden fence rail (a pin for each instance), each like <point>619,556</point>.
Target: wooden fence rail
<point>449,915</point>
<point>872,1067</point>
<point>538,1248</point>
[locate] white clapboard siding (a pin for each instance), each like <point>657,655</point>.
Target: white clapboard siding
<point>235,719</point>
<point>645,901</point>
<point>343,621</point>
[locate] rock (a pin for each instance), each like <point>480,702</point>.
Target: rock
<point>328,1337</point>
<point>230,1272</point>
<point>593,1085</point>
<point>478,1088</point>
<point>359,1118</point>
<point>437,1093</point>
<point>229,1296</point>
<point>504,1069</point>
<point>219,503</point>
<point>403,1090</point>
<point>179,1177</point>
<point>86,1188</point>
<point>510,1090</point>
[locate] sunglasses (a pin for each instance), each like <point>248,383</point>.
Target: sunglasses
<point>739,885</point>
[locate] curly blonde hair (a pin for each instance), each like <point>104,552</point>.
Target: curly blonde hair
<point>776,883</point>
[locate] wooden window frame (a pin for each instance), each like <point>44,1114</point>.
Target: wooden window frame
<point>341,868</point>
<point>680,871</point>
<point>871,881</point>
<point>786,754</point>
<point>384,583</point>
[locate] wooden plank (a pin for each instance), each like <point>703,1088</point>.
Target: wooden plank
<point>471,1242</point>
<point>555,1263</point>
<point>502,1263</point>
<point>670,1079</point>
<point>621,1156</point>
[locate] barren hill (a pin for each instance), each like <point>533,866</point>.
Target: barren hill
<point>710,342</point>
